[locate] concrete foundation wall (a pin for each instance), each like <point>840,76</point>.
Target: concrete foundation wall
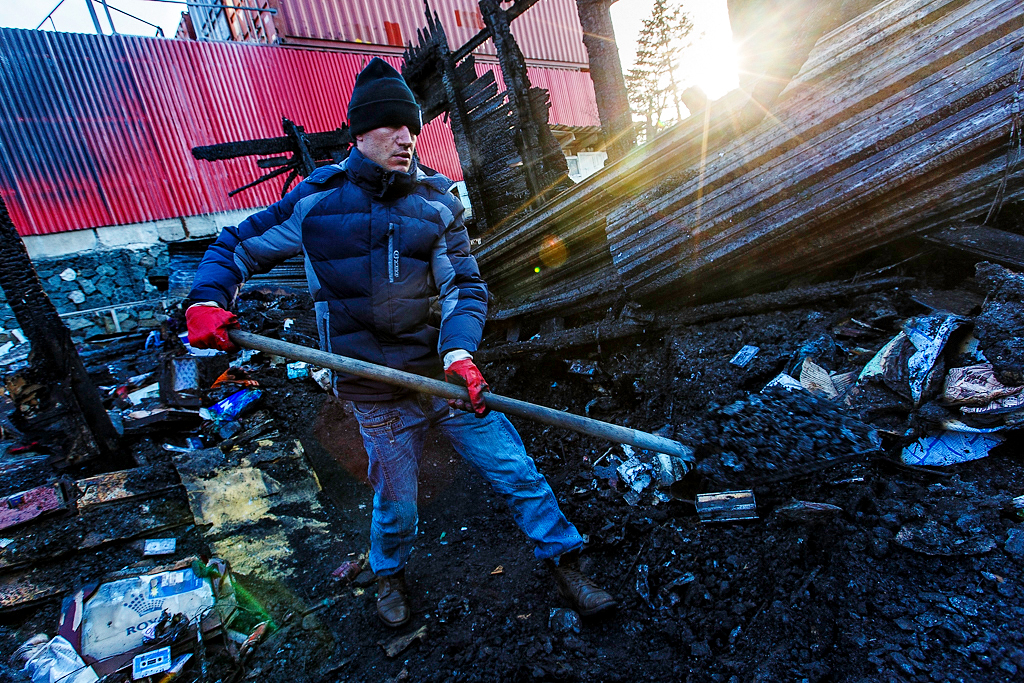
<point>87,272</point>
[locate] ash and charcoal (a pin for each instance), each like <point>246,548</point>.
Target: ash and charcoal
<point>780,433</point>
<point>857,568</point>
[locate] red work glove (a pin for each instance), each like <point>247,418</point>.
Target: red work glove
<point>208,327</point>
<point>465,373</point>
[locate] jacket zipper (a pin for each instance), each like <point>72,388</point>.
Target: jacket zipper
<point>392,253</point>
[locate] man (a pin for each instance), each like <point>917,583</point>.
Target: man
<point>380,238</point>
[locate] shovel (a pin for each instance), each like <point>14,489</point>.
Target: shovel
<point>426,385</point>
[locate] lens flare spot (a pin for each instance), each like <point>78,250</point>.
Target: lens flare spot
<point>553,252</point>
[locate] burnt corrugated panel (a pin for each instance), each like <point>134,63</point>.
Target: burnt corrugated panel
<point>97,130</point>
<point>900,122</point>
<point>550,30</point>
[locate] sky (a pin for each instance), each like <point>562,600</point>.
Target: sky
<point>73,16</point>
<point>710,63</point>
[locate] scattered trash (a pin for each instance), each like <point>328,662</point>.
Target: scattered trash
<point>235,377</point>
<point>347,571</point>
<point>397,646</point>
<point>564,620</point>
<point>321,376</point>
<point>149,393</point>
<point>108,622</point>
<point>177,666</point>
<point>234,405</point>
<point>258,632</point>
<point>160,546</point>
<point>27,505</point>
<point>642,472</point>
<point>784,381</point>
<point>807,511</point>
<point>975,385</point>
<point>726,506</point>
<point>744,356</point>
<point>54,660</point>
<point>151,663</point>
<point>929,336</point>
<point>950,448</point>
<point>497,571</point>
<point>816,380</point>
<point>588,369</point>
<point>297,370</point>
<point>179,383</point>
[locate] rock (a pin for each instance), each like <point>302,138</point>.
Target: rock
<point>564,620</point>
<point>1015,543</point>
<point>105,285</point>
<point>964,606</point>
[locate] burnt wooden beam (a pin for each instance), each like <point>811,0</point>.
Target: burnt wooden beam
<point>307,150</point>
<point>480,38</point>
<point>611,330</point>
<point>85,430</point>
<point>990,244</point>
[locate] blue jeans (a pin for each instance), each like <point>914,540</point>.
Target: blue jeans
<point>393,433</point>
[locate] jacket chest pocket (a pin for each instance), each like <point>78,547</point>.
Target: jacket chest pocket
<point>394,255</point>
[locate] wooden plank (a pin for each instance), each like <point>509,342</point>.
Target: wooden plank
<point>98,527</point>
<point>605,331</point>
<point>27,588</point>
<point>991,244</point>
<point>125,484</point>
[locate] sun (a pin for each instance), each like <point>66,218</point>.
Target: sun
<point>710,62</point>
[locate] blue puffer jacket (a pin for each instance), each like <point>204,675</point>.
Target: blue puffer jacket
<point>377,246</point>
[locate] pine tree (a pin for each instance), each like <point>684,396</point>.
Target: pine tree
<point>651,82</point>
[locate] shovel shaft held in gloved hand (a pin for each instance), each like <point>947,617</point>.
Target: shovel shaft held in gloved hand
<point>426,385</point>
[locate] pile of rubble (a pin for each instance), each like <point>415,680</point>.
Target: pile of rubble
<point>835,484</point>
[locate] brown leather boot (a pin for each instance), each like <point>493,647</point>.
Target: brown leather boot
<point>585,596</point>
<point>392,605</point>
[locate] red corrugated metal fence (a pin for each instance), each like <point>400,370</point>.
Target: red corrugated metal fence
<point>550,30</point>
<point>97,130</point>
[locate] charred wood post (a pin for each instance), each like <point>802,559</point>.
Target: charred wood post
<point>85,428</point>
<point>504,174</point>
<point>432,61</point>
<point>543,161</point>
<point>606,72</point>
<point>307,150</point>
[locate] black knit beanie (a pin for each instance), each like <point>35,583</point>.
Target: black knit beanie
<point>381,98</point>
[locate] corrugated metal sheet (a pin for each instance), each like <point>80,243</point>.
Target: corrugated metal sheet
<point>550,30</point>
<point>97,130</point>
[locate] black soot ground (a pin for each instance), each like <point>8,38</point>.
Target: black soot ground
<point>909,579</point>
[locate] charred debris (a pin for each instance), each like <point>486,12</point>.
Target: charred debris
<point>818,285</point>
